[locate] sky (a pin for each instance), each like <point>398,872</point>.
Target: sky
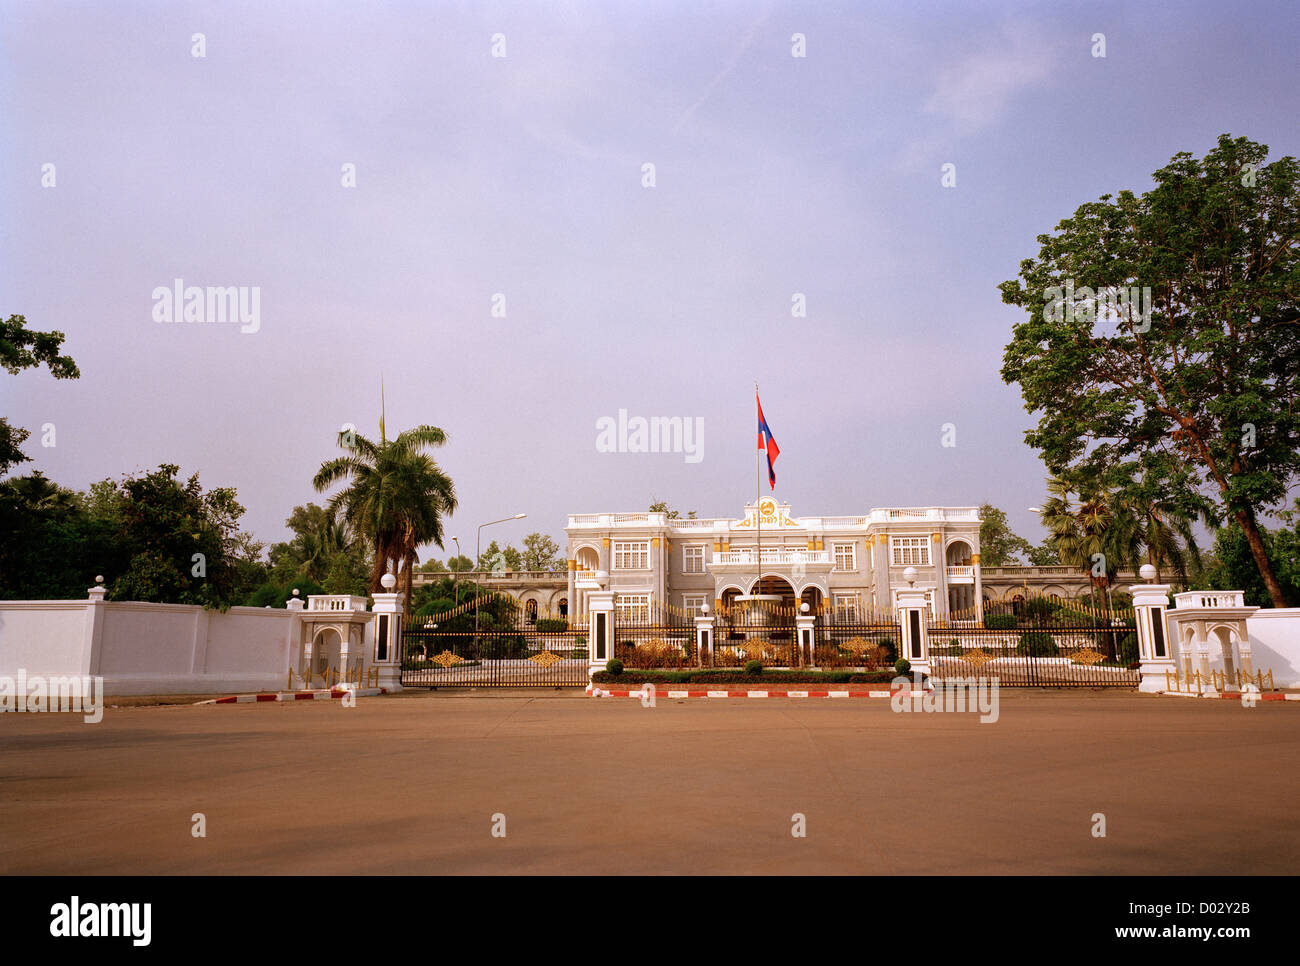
<point>503,267</point>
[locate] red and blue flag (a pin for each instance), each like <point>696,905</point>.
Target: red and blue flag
<point>765,441</point>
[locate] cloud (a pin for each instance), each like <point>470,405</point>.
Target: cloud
<point>747,41</point>
<point>975,90</point>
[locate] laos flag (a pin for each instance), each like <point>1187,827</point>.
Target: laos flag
<point>765,441</point>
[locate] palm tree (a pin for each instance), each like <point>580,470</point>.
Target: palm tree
<point>395,499</point>
<point>1091,528</point>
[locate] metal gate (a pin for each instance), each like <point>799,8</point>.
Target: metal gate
<point>509,649</point>
<point>1041,642</point>
<point>756,631</point>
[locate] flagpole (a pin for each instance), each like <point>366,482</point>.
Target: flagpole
<point>758,497</point>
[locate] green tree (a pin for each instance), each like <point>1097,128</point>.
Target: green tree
<point>324,549</point>
<point>23,348</point>
<point>54,541</point>
<point>999,547</point>
<point>1205,372</point>
<point>661,506</point>
<point>541,553</point>
<point>396,497</point>
<point>497,559</point>
<point>184,544</point>
<point>11,442</point>
<point>1231,566</point>
<point>1043,555</point>
<point>1084,532</point>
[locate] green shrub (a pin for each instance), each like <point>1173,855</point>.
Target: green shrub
<point>955,649</point>
<point>1000,622</point>
<point>551,625</point>
<point>578,654</point>
<point>902,666</point>
<point>890,650</point>
<point>753,667</point>
<point>1038,610</point>
<point>614,666</point>
<point>1036,644</point>
<point>1128,649</point>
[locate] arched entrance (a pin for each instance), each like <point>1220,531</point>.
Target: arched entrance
<point>775,586</point>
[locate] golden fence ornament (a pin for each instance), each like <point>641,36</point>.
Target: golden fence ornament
<point>545,658</point>
<point>446,659</point>
<point>1087,657</point>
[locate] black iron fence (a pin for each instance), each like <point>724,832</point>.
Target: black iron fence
<point>1044,643</point>
<point>857,637</point>
<point>655,636</point>
<point>502,647</point>
<point>756,631</point>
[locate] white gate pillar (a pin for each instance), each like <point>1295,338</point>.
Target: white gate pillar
<point>805,633</point>
<point>1154,656</point>
<point>915,645</point>
<point>387,656</point>
<point>704,642</point>
<point>600,610</point>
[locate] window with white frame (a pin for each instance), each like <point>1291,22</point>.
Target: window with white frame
<point>846,556</point>
<point>910,551</point>
<point>632,555</point>
<point>632,608</point>
<point>846,607</point>
<point>693,559</point>
<point>693,602</point>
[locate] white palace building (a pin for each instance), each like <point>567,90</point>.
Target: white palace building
<point>853,564</point>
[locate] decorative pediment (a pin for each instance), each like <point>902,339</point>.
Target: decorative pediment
<point>772,514</point>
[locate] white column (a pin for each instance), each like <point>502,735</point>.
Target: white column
<point>914,644</point>
<point>705,640</point>
<point>805,630</point>
<point>386,651</point>
<point>1149,604</point>
<point>92,642</point>
<point>293,636</point>
<point>600,636</point>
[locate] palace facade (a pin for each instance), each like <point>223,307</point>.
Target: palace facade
<point>853,564</point>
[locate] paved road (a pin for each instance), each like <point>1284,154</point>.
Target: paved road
<point>410,783</point>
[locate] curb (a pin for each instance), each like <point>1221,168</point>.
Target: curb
<point>596,692</point>
<point>321,695</point>
<point>1235,695</point>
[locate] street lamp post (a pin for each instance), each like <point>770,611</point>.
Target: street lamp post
<point>455,582</point>
<point>478,551</point>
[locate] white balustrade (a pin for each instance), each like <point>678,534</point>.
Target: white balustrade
<point>743,557</point>
<point>335,602</point>
<point>1210,598</point>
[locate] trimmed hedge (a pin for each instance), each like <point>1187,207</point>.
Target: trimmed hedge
<point>1037,644</point>
<point>551,625</point>
<point>1128,649</point>
<point>1000,622</point>
<point>738,676</point>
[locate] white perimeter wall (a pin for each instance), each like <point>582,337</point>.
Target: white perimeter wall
<point>141,648</point>
<point>1275,643</point>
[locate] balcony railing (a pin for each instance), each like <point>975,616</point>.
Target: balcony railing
<point>964,514</point>
<point>1210,598</point>
<point>335,602</point>
<point>742,557</point>
<point>959,571</point>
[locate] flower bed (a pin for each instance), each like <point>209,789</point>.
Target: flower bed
<point>738,676</point>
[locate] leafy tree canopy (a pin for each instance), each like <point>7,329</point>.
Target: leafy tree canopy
<point>1162,338</point>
